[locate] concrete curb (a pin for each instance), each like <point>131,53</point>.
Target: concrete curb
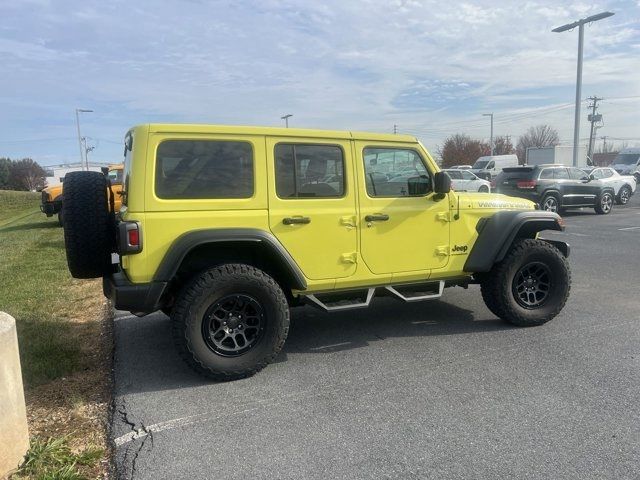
<point>14,435</point>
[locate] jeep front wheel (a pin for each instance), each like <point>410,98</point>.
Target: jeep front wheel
<point>230,322</point>
<point>530,286</point>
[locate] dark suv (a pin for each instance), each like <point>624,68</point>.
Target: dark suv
<point>555,187</point>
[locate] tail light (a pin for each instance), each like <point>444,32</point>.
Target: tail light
<point>129,238</point>
<point>527,184</point>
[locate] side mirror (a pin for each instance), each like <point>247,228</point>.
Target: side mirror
<point>418,185</point>
<point>587,179</point>
<point>442,183</point>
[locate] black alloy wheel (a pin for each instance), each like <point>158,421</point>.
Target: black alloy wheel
<point>233,325</point>
<point>531,285</point>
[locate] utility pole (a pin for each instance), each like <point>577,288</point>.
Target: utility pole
<point>286,119</point>
<point>570,26</point>
<point>490,141</point>
<point>604,144</point>
<point>593,118</point>
<point>87,149</point>
<point>78,112</point>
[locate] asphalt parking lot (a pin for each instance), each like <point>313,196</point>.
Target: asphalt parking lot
<point>439,389</point>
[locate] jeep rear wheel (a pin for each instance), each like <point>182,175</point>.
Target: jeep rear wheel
<point>89,227</point>
<point>230,322</point>
<point>530,286</point>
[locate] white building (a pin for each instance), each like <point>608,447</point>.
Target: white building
<point>56,173</point>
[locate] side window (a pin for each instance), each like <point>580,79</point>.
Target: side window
<point>546,174</point>
<point>597,173</point>
<point>309,171</point>
<point>467,175</point>
<point>606,173</point>
<point>576,174</point>
<point>455,175</point>
<point>395,172</point>
<point>204,169</point>
<point>560,174</point>
<point>491,165</point>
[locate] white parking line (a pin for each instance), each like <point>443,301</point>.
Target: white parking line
<point>330,346</point>
<point>629,228</point>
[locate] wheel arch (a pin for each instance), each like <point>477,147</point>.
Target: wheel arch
<point>201,249</point>
<point>554,192</point>
<point>496,234</point>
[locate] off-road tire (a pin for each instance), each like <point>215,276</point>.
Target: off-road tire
<point>624,195</point>
<point>192,303</point>
<point>600,207</point>
<point>89,227</point>
<point>497,287</point>
<point>60,218</point>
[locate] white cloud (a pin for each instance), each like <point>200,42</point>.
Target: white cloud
<point>336,64</point>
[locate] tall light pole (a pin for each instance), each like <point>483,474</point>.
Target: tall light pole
<point>286,119</point>
<point>570,26</point>
<point>78,112</point>
<point>490,141</point>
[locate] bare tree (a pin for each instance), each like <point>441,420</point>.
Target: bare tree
<point>503,146</point>
<point>538,136</point>
<point>610,147</point>
<point>26,174</point>
<point>460,149</point>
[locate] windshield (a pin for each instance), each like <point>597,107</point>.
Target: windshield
<point>626,159</point>
<point>480,164</point>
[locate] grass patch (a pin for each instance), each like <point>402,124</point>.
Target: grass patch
<point>53,459</point>
<point>17,204</point>
<point>65,351</point>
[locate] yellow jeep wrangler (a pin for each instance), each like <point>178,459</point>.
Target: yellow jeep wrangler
<point>225,228</point>
<point>52,196</point>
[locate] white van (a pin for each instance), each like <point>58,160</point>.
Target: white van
<point>491,165</point>
<point>627,162</point>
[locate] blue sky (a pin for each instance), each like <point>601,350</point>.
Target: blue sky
<point>430,67</point>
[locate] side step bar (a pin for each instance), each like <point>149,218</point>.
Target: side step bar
<point>406,294</point>
<point>343,304</point>
<point>335,302</point>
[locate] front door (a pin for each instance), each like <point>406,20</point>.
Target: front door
<point>312,204</point>
<point>403,228</point>
<point>584,190</point>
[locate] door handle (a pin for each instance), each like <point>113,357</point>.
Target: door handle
<point>378,217</point>
<point>296,220</point>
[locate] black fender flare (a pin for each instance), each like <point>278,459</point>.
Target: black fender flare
<point>551,191</point>
<point>187,242</point>
<point>497,233</point>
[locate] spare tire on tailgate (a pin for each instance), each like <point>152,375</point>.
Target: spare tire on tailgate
<point>89,225</point>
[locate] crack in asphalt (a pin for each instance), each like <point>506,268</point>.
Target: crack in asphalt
<point>139,432</point>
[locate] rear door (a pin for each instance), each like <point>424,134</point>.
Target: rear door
<point>470,181</point>
<point>312,204</point>
<point>456,180</point>
<point>566,186</point>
